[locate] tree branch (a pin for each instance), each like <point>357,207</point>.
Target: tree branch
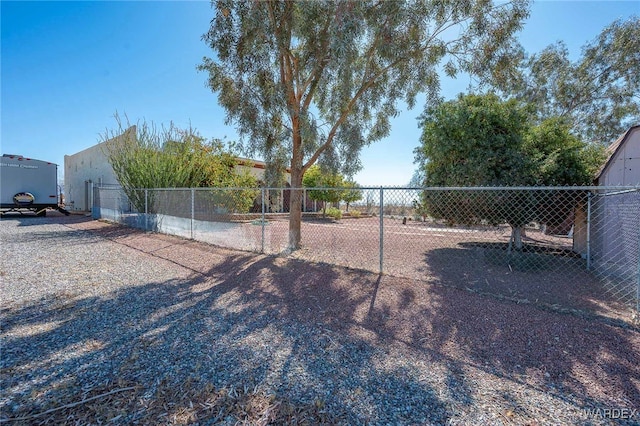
<point>314,79</point>
<point>366,84</point>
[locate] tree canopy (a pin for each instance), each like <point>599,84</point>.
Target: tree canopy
<point>318,80</point>
<point>558,157</point>
<point>480,140</point>
<point>475,140</point>
<point>598,95</point>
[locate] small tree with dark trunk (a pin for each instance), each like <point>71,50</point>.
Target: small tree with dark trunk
<point>316,178</point>
<point>352,193</point>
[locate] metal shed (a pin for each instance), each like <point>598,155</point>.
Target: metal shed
<point>607,228</point>
<point>623,165</point>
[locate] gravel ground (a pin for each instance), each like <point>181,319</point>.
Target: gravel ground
<point>161,329</point>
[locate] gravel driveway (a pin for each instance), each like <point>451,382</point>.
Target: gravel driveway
<point>104,323</point>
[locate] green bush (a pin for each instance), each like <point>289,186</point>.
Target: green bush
<point>354,213</point>
<point>144,156</point>
<point>334,213</point>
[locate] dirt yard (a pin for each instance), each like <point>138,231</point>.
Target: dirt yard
<point>102,323</point>
<point>548,274</point>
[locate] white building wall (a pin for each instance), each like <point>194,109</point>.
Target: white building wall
<point>84,169</point>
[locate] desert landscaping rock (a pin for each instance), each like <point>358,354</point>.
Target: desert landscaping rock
<point>102,323</point>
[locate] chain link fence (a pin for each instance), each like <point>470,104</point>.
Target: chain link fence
<point>573,248</point>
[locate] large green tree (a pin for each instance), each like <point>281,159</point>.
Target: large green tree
<point>318,80</point>
<point>598,94</point>
<point>557,157</point>
<point>475,140</point>
<point>480,140</point>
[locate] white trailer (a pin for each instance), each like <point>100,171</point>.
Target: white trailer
<point>28,185</point>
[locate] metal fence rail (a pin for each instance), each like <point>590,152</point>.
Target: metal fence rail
<point>567,247</point>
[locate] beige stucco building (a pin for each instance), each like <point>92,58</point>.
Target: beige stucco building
<point>90,167</point>
<point>87,168</point>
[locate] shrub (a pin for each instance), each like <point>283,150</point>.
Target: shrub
<point>354,213</point>
<point>334,213</point>
<point>144,156</point>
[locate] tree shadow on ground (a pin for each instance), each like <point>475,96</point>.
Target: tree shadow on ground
<point>559,353</point>
<point>367,348</point>
<point>537,275</point>
<point>248,321</point>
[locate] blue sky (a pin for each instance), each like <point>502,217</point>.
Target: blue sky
<point>67,67</point>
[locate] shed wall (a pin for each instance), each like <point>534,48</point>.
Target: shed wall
<point>624,168</point>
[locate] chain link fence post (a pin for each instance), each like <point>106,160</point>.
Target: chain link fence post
<point>381,227</point>
<point>96,197</point>
<point>281,200</point>
<point>262,220</point>
<point>193,210</point>
<point>638,283</point>
<point>118,209</point>
<point>146,209</point>
<point>589,195</point>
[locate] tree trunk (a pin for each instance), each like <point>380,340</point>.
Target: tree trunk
<point>516,238</point>
<point>295,209</point>
<point>295,200</point>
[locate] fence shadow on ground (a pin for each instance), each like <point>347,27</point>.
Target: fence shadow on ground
<point>320,334</point>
